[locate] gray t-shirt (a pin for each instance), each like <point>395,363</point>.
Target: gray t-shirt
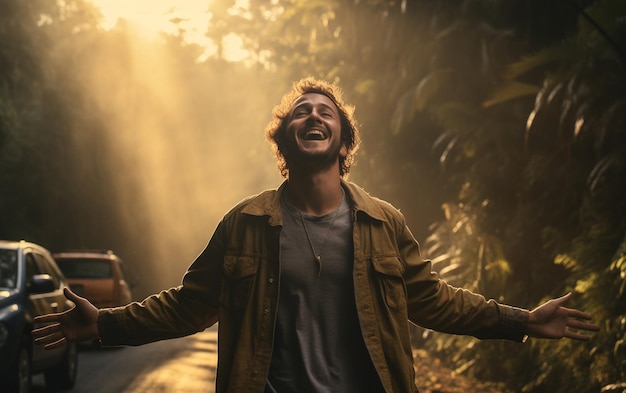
<point>318,345</point>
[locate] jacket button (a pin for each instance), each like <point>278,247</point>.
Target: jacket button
<point>270,280</point>
<point>266,311</point>
<point>255,372</point>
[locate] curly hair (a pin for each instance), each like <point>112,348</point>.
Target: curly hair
<point>276,129</point>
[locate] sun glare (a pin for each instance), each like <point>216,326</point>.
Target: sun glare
<point>190,18</point>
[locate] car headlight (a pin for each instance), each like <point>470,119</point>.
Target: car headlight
<point>4,333</point>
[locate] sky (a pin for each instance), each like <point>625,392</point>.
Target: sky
<point>153,17</point>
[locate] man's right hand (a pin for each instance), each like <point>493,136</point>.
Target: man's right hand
<point>79,323</point>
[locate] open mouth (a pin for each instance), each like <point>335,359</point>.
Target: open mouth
<point>314,135</point>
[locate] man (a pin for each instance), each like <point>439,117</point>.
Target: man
<point>313,284</point>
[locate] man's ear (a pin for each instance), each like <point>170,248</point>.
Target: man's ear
<point>280,144</point>
<point>343,152</point>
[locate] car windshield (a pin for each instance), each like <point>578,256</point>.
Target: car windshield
<point>85,268</point>
<point>8,268</point>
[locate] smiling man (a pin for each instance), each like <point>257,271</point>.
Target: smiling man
<point>313,284</point>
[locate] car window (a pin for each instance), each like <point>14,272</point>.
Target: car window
<point>31,267</point>
<point>45,266</point>
<point>85,268</point>
<point>8,268</point>
<point>122,271</point>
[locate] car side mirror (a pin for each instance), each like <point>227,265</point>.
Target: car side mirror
<point>41,283</point>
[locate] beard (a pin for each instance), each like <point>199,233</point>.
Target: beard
<point>318,159</point>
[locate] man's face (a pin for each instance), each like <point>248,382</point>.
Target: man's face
<point>314,131</point>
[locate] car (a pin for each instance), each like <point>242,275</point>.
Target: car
<point>31,284</point>
<point>97,275</point>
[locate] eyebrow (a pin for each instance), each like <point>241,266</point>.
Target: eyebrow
<point>307,103</point>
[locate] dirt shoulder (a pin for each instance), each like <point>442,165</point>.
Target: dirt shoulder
<point>432,377</point>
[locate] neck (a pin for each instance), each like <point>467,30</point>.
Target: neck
<point>315,194</point>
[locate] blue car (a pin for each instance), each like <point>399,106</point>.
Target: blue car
<point>31,284</point>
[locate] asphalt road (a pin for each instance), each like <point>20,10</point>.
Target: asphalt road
<point>183,365</point>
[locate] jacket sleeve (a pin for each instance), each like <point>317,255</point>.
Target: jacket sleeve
<point>176,312</point>
<point>432,303</point>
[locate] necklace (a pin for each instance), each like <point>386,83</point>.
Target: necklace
<point>318,256</point>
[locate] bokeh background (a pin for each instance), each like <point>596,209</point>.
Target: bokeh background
<point>497,127</point>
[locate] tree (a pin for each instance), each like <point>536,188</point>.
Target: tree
<point>566,203</point>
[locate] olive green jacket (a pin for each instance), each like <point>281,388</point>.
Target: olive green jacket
<point>236,281</point>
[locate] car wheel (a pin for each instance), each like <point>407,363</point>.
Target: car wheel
<point>19,375</point>
<point>23,370</point>
<point>63,375</point>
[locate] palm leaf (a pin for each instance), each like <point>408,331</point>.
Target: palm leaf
<point>510,90</point>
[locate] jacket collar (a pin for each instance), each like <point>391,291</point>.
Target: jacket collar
<point>361,201</point>
<point>267,203</point>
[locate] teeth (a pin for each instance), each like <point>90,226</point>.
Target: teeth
<point>314,135</point>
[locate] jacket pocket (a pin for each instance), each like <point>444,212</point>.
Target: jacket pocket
<point>389,271</point>
<point>239,273</point>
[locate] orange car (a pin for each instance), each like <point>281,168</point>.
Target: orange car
<point>96,275</point>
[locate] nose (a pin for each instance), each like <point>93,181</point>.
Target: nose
<point>314,117</point>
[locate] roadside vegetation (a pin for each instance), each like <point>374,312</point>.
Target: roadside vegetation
<point>498,128</point>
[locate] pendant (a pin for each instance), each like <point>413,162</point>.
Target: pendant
<point>319,265</point>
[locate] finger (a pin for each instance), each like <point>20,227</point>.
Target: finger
<point>71,295</point>
<point>56,344</point>
<point>574,313</point>
<point>563,299</point>
<point>48,318</point>
<point>576,336</point>
<point>46,330</point>
<point>575,324</point>
<point>50,339</point>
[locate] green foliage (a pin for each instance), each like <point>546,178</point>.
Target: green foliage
<point>25,138</point>
<point>567,192</point>
<point>498,127</point>
<point>570,129</point>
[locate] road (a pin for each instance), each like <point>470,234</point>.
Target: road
<point>188,365</point>
<point>183,365</point>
